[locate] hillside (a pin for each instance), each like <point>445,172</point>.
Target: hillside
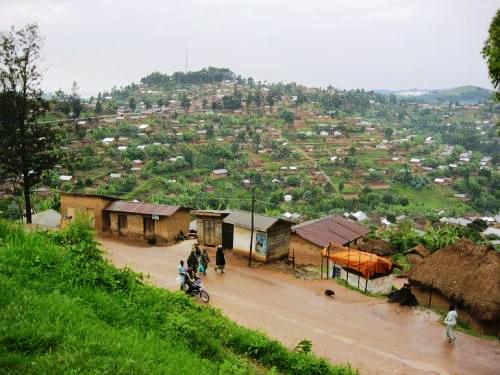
<point>64,309</point>
<point>462,94</point>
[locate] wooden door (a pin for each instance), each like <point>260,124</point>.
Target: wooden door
<point>208,233</point>
<point>122,224</point>
<point>149,227</point>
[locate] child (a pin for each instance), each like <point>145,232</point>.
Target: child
<point>451,322</point>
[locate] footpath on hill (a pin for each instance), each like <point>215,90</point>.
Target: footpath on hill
<point>372,335</point>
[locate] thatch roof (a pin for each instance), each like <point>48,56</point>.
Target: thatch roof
<point>465,273</point>
<point>376,246</point>
<point>419,250</point>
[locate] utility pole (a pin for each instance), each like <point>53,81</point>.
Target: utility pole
<point>251,228</point>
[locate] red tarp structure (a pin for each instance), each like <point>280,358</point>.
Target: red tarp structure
<point>367,264</point>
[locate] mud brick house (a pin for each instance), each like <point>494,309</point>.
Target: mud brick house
<point>153,223</point>
<point>211,229</point>
<point>310,237</point>
<point>271,238</point>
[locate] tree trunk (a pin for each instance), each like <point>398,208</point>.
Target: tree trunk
<point>27,200</point>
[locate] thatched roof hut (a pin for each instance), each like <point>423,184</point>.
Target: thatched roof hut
<point>467,274</point>
<point>376,246</point>
<point>417,254</point>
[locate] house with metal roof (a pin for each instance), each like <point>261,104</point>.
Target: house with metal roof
<point>271,235</point>
<point>152,223</point>
<point>310,237</point>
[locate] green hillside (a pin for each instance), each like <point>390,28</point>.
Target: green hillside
<point>462,94</point>
<point>63,309</point>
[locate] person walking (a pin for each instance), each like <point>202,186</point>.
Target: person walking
<point>220,260</point>
<point>451,322</point>
<point>204,260</point>
<point>182,275</point>
<point>192,260</point>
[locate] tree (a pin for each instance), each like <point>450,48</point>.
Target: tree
<point>28,147</point>
<point>491,52</point>
<point>287,116</point>
<point>159,102</point>
<point>388,132</point>
<point>98,107</point>
<point>132,104</point>
<point>185,102</point>
<point>75,101</point>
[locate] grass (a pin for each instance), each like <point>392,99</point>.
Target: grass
<point>63,309</point>
<point>433,197</point>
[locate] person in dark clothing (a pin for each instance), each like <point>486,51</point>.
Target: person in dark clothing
<point>220,260</point>
<point>204,260</point>
<point>189,278</point>
<point>192,260</point>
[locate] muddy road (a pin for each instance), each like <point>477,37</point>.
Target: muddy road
<point>375,337</point>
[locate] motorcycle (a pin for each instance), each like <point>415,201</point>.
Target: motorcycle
<point>197,289</point>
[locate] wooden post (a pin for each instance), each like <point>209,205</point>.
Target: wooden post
<point>252,229</point>
<point>328,261</point>
<point>322,258</point>
<point>359,267</point>
<point>430,293</point>
<point>347,268</point>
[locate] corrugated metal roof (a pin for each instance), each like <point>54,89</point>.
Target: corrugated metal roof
<point>215,213</point>
<point>244,219</point>
<point>335,228</point>
<point>142,208</point>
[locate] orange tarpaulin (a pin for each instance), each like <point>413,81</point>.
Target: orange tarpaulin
<point>366,263</point>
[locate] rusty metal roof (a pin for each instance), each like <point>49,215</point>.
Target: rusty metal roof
<point>213,213</point>
<point>244,219</point>
<point>335,228</point>
<point>142,208</point>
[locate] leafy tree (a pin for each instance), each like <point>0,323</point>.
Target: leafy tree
<point>185,102</point>
<point>159,102</point>
<point>491,52</point>
<point>98,107</point>
<point>132,104</point>
<point>287,116</point>
<point>147,103</point>
<point>76,103</point>
<point>388,132</point>
<point>28,147</point>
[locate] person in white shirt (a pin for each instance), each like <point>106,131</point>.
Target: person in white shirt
<point>451,322</point>
<point>182,275</point>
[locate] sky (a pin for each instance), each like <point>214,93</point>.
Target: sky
<point>370,44</point>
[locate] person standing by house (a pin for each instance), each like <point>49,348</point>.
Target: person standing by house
<point>204,260</point>
<point>451,322</point>
<point>182,275</point>
<point>220,260</point>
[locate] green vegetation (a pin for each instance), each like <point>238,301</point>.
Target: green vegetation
<point>63,309</point>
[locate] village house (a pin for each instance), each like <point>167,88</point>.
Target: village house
<point>310,237</point>
<point>271,237</point>
<point>153,223</point>
<point>219,173</point>
<point>211,229</point>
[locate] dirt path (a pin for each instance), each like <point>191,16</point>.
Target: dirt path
<point>376,337</point>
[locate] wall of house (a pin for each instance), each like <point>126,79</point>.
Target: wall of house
<point>71,205</point>
<point>241,243</point>
<point>166,228</point>
<point>380,285</point>
<point>278,240</point>
<point>305,252</point>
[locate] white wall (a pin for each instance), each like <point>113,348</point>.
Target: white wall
<point>382,285</point>
<point>241,242</point>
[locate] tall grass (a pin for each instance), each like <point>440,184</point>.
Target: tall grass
<point>63,309</point>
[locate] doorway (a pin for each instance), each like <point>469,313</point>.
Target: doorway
<point>149,228</point>
<point>122,224</point>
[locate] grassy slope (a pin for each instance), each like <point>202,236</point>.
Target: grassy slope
<point>65,310</point>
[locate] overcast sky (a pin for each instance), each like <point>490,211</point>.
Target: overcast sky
<point>371,44</point>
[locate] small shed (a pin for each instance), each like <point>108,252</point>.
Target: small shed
<point>271,237</point>
<point>211,229</point>
<point>218,173</point>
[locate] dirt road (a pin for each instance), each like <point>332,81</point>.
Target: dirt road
<point>375,337</point>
